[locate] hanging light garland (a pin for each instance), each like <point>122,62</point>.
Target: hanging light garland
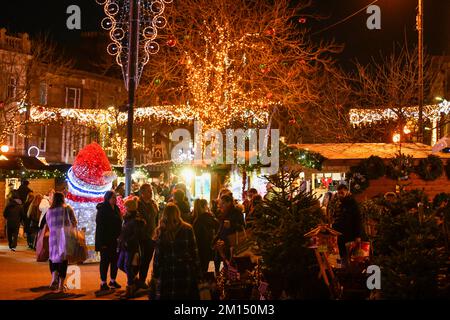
<point>171,114</point>
<point>367,116</point>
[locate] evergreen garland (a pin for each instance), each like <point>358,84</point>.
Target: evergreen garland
<point>305,158</point>
<point>31,174</point>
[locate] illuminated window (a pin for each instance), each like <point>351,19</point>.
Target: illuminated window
<point>11,140</point>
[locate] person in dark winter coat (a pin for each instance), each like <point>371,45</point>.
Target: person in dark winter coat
<point>107,231</point>
<point>13,214</point>
<point>347,220</point>
<point>130,238</point>
<point>179,198</point>
<point>26,221</point>
<point>176,266</point>
<point>24,190</point>
<point>205,228</point>
<point>148,209</point>
<point>231,221</point>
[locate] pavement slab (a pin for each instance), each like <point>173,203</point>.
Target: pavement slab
<point>22,278</point>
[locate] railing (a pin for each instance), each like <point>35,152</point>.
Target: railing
<point>21,43</point>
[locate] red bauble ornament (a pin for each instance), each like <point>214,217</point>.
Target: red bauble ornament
<point>302,20</point>
<point>270,32</point>
<point>292,121</point>
<point>269,95</point>
<point>265,70</point>
<point>172,42</point>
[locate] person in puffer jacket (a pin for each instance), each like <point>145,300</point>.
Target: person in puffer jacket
<point>131,236</point>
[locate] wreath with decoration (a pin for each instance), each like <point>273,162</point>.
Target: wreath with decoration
<point>373,167</point>
<point>357,181</point>
<point>431,168</point>
<point>400,167</point>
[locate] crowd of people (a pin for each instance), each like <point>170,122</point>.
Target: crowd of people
<point>23,209</point>
<point>182,243</point>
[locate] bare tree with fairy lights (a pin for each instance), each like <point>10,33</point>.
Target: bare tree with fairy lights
<point>389,82</point>
<point>236,62</point>
<point>35,63</point>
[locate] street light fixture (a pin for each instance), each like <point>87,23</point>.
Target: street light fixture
<point>133,27</point>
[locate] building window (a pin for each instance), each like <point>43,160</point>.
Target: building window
<point>73,97</point>
<point>43,91</point>
<point>11,140</point>
<point>157,138</point>
<point>11,91</point>
<point>42,142</point>
<point>96,99</point>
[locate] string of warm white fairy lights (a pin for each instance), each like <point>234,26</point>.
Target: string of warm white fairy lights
<point>367,116</point>
<point>216,84</point>
<point>173,114</point>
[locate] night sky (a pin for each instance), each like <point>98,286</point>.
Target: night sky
<point>398,21</point>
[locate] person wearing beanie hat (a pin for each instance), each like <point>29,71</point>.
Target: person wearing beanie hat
<point>130,237</point>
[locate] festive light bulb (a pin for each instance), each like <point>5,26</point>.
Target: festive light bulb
<point>396,138</point>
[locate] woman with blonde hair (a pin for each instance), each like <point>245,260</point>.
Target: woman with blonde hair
<point>176,267</point>
<point>33,215</point>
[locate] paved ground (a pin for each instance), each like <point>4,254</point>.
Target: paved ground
<point>22,278</point>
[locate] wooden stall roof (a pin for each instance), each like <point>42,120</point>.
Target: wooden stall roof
<point>22,162</point>
<point>356,151</point>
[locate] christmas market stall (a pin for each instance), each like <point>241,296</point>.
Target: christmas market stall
<point>370,169</point>
<point>14,169</point>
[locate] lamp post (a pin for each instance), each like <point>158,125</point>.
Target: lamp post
<point>133,27</point>
<point>420,57</point>
<point>133,54</point>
